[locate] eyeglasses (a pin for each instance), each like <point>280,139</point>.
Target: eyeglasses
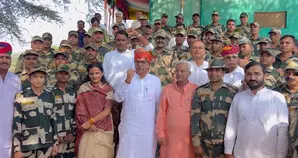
<point>141,62</point>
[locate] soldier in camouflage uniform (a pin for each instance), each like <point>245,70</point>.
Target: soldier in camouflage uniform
<point>48,40</point>
<point>264,43</point>
<point>148,33</point>
<point>164,20</point>
<point>246,53</point>
<point>231,29</point>
<point>97,39</point>
<point>64,107</point>
<point>92,56</point>
<point>38,46</point>
<point>234,38</point>
<point>144,21</point>
<point>179,38</point>
<point>208,35</point>
<point>34,123</point>
<point>244,27</point>
<point>210,107</point>
<point>192,35</point>
<point>215,25</point>
<point>157,25</point>
<point>275,35</point>
<point>78,72</point>
<point>196,24</point>
<point>255,36</point>
<point>87,38</point>
<point>216,48</point>
<point>290,91</point>
<point>30,61</point>
<point>273,78</point>
<point>179,22</point>
<point>165,59</point>
<point>76,53</point>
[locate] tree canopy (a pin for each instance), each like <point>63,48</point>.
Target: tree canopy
<point>13,11</point>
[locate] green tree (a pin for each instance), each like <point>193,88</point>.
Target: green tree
<point>13,11</point>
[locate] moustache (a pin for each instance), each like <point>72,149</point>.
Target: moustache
<point>253,81</point>
<point>2,63</point>
<point>290,78</point>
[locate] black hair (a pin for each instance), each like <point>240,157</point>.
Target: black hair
<point>180,25</point>
<point>254,63</point>
<point>121,32</point>
<point>99,66</point>
<point>231,20</point>
<point>94,19</point>
<point>81,22</point>
<point>288,36</point>
<point>97,14</point>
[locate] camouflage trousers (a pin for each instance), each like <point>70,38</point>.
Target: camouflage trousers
<point>213,151</point>
<point>66,150</point>
<point>116,111</point>
<point>38,153</point>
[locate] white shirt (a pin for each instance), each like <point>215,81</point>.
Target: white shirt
<point>257,125</point>
<point>9,87</point>
<point>235,77</point>
<point>116,64</point>
<point>137,128</point>
<point>198,75</point>
<point>135,24</point>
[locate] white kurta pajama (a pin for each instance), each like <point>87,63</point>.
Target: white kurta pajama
<point>199,75</point>
<point>257,125</point>
<point>137,128</point>
<point>116,64</point>
<point>235,77</point>
<point>8,89</point>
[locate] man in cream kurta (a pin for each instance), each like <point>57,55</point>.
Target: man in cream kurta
<point>257,124</point>
<point>140,94</point>
<point>10,84</point>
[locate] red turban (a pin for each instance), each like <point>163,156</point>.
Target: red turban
<point>5,48</point>
<point>143,53</point>
<point>229,49</point>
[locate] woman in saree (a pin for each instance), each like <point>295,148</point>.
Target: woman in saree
<point>93,116</point>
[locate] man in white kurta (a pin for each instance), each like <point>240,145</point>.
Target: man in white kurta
<point>10,84</point>
<point>235,77</point>
<point>257,124</point>
<point>140,94</point>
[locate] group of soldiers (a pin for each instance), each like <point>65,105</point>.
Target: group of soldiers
<point>168,45</point>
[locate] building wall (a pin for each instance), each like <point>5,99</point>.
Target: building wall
<point>229,9</point>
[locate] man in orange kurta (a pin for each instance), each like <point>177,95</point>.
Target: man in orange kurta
<point>173,119</point>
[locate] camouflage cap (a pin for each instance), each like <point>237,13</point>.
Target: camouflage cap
<point>180,32</point>
<point>157,21</point>
<point>161,33</point>
<point>255,23</point>
<point>31,52</point>
<point>91,45</point>
<point>273,30</point>
<point>36,38</point>
<point>143,17</point>
<point>291,63</point>
<point>75,33</point>
<point>96,29</point>
<point>244,40</point>
<point>60,53</point>
<point>217,38</point>
<point>193,32</point>
<point>65,43</point>
<point>119,26</point>
<point>88,34</point>
<point>265,40</point>
<point>243,14</point>
<point>133,37</point>
<point>195,14</point>
<point>216,63</point>
<point>270,51</point>
<point>180,15</point>
<point>149,25</point>
<point>235,35</point>
<point>211,30</point>
<point>62,68</point>
<point>38,69</point>
<point>47,35</point>
<point>215,13</point>
<point>164,15</point>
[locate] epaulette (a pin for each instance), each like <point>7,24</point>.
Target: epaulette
<point>107,46</point>
<point>206,85</point>
<point>231,86</point>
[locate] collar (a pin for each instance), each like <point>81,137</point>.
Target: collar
<point>264,89</point>
<point>185,88</point>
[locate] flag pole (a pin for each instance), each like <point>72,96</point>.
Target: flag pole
<point>181,6</point>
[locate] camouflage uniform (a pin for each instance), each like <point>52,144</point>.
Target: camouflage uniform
<point>34,124</point>
<point>162,67</point>
<point>255,43</point>
<point>278,64</point>
<point>273,78</point>
<point>208,117</point>
<point>219,29</point>
<point>24,77</point>
<point>253,56</point>
<point>103,50</point>
<point>200,29</point>
<point>244,30</point>
<point>64,108</point>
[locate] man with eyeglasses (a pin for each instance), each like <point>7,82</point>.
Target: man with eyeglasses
<point>290,92</point>
<point>235,73</point>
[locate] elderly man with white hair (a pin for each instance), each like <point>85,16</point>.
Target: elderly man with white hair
<point>173,119</point>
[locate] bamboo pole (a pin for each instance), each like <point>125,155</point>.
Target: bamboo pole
<point>182,6</point>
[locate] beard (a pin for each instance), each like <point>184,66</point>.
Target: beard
<point>253,84</point>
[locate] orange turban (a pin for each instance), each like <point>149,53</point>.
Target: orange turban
<point>143,53</point>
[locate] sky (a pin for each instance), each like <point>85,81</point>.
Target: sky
<point>77,10</point>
